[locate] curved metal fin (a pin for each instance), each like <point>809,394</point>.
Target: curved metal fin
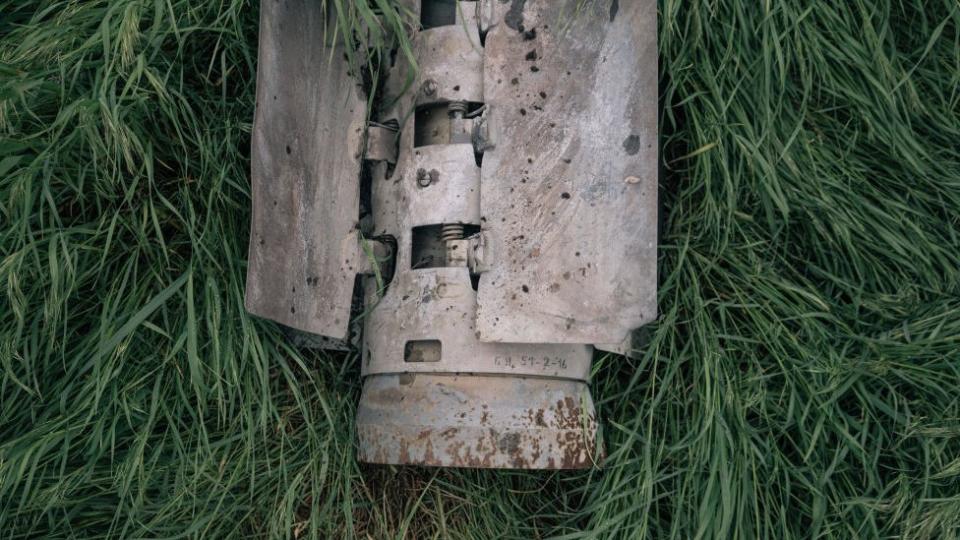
<point>569,183</point>
<point>306,158</point>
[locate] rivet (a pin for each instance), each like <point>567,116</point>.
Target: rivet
<point>429,87</point>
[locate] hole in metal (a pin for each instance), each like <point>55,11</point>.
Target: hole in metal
<point>428,249</point>
<point>437,123</point>
<point>431,125</point>
<point>434,13</point>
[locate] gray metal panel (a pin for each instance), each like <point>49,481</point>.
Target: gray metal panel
<point>307,139</point>
<point>569,191</point>
<point>439,303</point>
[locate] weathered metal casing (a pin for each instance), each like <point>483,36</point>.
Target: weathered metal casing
<point>308,134</point>
<point>484,421</point>
<point>570,183</point>
<point>519,204</point>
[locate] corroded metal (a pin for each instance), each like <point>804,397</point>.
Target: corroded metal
<point>431,390</point>
<point>513,177</point>
<point>479,421</point>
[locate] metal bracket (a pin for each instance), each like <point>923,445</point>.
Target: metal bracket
<point>479,256</point>
<point>381,142</point>
<point>480,136</point>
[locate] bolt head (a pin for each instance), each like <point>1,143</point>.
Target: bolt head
<point>429,87</point>
<point>423,179</point>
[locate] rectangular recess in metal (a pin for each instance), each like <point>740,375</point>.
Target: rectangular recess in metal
<point>306,157</point>
<point>569,186</point>
<point>423,350</point>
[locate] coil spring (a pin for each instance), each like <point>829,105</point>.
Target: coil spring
<point>392,124</point>
<point>455,107</point>
<point>451,231</point>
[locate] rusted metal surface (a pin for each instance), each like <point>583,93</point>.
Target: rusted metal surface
<point>306,154</point>
<point>476,349</point>
<point>569,192</point>
<point>483,422</point>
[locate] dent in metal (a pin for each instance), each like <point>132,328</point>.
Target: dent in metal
<point>446,411</point>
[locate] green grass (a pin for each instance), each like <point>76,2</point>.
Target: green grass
<point>802,381</point>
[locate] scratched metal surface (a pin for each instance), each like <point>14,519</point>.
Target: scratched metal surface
<point>307,139</point>
<point>480,421</point>
<point>439,304</point>
<point>569,192</point>
<point>468,403</point>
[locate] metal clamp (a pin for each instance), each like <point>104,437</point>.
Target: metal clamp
<point>381,142</point>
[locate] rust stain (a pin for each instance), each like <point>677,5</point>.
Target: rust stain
<point>558,435</point>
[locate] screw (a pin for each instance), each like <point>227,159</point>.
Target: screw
<point>423,179</point>
<point>429,87</point>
